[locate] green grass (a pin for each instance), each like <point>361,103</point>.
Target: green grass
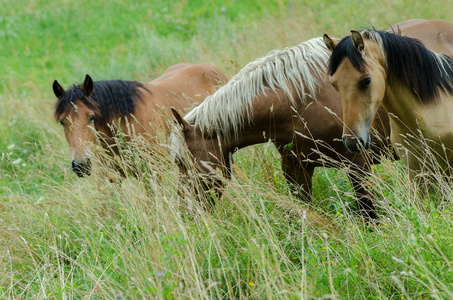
<point>44,40</point>
<point>62,237</point>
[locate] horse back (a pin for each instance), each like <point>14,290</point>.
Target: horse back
<point>181,87</point>
<point>436,35</point>
<point>185,84</point>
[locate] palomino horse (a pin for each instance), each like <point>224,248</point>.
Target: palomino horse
<point>88,111</point>
<point>413,83</point>
<point>282,97</point>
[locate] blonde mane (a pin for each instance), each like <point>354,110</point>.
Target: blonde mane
<point>300,67</point>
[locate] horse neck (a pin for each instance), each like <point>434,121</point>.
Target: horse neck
<point>402,107</point>
<point>268,118</point>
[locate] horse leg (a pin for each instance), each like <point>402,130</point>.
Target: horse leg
<point>357,176</point>
<point>298,176</point>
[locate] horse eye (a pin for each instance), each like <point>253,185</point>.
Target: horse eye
<point>365,82</point>
<point>61,122</point>
<point>91,120</point>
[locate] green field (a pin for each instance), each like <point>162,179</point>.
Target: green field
<point>62,237</point>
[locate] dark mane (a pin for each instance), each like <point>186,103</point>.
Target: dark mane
<point>408,62</point>
<point>110,99</point>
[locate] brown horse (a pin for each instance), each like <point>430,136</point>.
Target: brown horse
<point>284,98</point>
<point>89,112</point>
<point>411,81</point>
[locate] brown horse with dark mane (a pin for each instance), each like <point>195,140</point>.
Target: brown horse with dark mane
<point>410,73</point>
<point>285,98</point>
<point>90,112</point>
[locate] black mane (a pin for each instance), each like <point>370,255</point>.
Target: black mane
<point>408,61</point>
<point>110,99</point>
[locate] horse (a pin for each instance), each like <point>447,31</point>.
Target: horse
<point>409,71</point>
<point>90,112</point>
<point>282,97</point>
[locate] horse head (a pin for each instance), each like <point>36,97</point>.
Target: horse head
<point>76,112</point>
<point>357,71</point>
<point>201,159</point>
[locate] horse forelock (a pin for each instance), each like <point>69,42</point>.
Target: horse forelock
<point>110,99</point>
<point>346,49</point>
<point>300,67</point>
<point>68,102</point>
<point>177,145</point>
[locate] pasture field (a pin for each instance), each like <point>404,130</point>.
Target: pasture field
<point>62,237</point>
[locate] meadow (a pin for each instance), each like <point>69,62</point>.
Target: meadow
<point>63,237</point>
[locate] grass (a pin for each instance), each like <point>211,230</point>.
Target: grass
<point>63,237</point>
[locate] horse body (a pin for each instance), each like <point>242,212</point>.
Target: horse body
<point>421,130</point>
<point>436,35</point>
<point>302,117</point>
<point>435,120</point>
<point>90,112</point>
<point>413,83</point>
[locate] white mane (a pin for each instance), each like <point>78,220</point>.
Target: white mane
<point>299,66</point>
<point>222,113</point>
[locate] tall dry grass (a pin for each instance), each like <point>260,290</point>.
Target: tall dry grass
<point>134,239</point>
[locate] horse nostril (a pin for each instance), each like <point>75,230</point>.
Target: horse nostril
<point>81,169</point>
<point>77,169</point>
<point>356,144</point>
<point>364,143</point>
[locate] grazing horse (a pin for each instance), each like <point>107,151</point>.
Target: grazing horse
<point>282,97</point>
<point>410,73</point>
<point>88,112</point>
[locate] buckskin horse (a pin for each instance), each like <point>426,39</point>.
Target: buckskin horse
<point>89,112</point>
<point>410,73</point>
<point>282,97</point>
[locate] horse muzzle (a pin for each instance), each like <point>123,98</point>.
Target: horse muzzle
<point>356,144</point>
<point>82,168</point>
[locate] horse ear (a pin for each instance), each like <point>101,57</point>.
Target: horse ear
<point>87,86</point>
<point>179,120</point>
<point>330,43</point>
<point>58,89</point>
<point>357,40</point>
